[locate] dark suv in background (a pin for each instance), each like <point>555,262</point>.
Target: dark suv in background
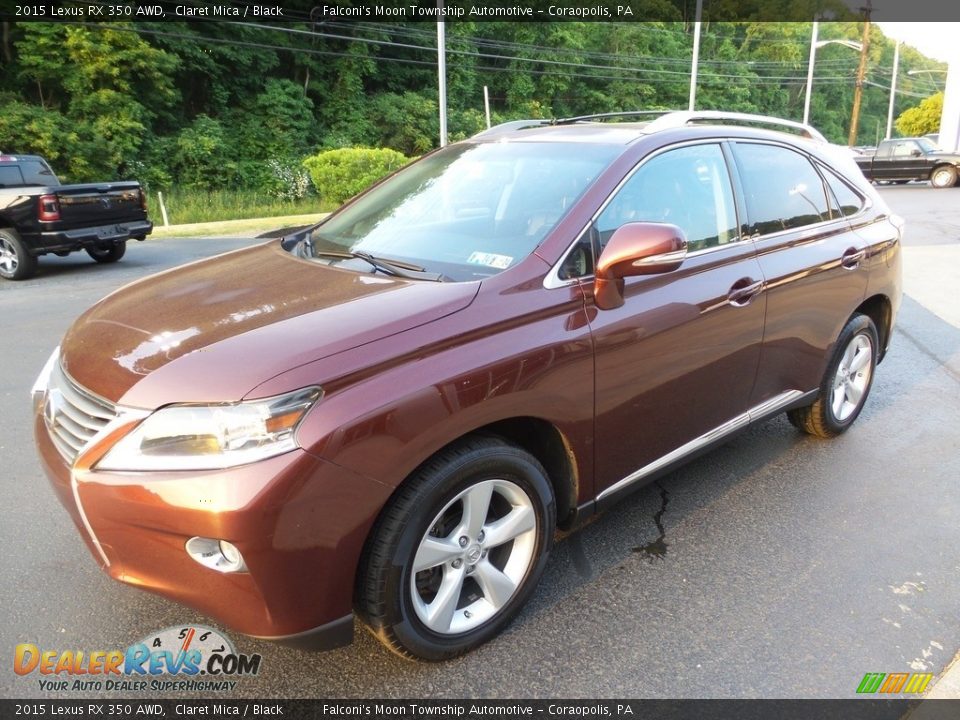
<point>392,412</point>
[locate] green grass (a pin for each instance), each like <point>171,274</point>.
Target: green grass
<point>214,206</point>
<point>251,227</point>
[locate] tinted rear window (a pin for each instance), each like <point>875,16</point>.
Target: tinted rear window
<point>26,172</point>
<point>10,176</point>
<point>36,172</point>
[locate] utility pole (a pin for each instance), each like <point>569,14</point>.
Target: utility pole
<point>861,72</point>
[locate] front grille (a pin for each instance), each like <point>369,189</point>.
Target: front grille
<point>73,415</point>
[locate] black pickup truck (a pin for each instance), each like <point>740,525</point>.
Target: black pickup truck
<point>906,159</point>
<point>38,215</point>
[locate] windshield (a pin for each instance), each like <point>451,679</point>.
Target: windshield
<point>927,145</point>
<point>467,211</point>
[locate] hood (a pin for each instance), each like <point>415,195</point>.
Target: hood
<point>211,331</point>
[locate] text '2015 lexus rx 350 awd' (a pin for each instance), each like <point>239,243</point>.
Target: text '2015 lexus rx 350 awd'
<point>393,412</point>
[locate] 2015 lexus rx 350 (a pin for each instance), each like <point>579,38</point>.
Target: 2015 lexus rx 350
<point>392,413</point>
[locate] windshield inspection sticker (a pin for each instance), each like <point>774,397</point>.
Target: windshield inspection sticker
<point>490,260</point>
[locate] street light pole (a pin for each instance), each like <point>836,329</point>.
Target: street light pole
<point>893,89</point>
<point>814,44</point>
<point>442,77</point>
<point>813,55</point>
<point>696,56</point>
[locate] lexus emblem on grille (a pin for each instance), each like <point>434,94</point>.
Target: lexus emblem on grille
<point>52,407</point>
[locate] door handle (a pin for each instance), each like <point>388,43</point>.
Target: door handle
<point>743,291</point>
<point>852,258</point>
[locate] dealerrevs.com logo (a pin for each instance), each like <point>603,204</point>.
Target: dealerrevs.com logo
<point>193,658</point>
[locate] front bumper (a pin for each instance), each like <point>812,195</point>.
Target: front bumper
<point>299,521</point>
<point>77,238</point>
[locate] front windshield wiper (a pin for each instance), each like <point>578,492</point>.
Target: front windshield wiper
<point>390,267</point>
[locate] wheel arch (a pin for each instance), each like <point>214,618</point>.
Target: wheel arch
<point>952,166</point>
<point>879,309</point>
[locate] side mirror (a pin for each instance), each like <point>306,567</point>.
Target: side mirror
<point>640,248</point>
<point>916,152</point>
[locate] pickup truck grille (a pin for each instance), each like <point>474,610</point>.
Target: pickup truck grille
<point>73,415</point>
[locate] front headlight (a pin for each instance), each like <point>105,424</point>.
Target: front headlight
<point>211,437</point>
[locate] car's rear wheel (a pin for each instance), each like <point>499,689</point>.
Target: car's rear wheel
<point>108,253</point>
<point>846,383</point>
<point>944,176</point>
<point>458,551</point>
<point>16,263</point>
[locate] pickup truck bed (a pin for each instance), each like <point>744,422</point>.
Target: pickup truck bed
<point>40,216</point>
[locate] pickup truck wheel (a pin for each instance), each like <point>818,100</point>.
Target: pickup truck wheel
<point>458,550</point>
<point>846,382</point>
<point>944,176</point>
<point>15,262</point>
<point>109,253</point>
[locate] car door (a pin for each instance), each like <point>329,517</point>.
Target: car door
<point>814,264</point>
<point>678,360</point>
<point>908,161</point>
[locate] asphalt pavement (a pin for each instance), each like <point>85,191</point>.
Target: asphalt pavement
<point>777,566</point>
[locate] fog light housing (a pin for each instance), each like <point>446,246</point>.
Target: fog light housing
<point>219,555</point>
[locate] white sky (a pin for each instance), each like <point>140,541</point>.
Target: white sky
<point>937,40</point>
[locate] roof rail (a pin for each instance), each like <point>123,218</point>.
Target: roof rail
<point>601,116</point>
<point>509,127</point>
<point>688,117</point>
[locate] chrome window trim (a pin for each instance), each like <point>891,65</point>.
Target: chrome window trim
<point>552,279</point>
<point>736,423</point>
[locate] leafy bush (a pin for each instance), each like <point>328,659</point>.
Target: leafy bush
<point>340,174</point>
<point>200,156</point>
<point>288,182</point>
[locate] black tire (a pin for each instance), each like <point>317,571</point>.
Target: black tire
<point>390,596</point>
<point>943,176</point>
<point>16,263</point>
<point>108,253</point>
<point>822,418</point>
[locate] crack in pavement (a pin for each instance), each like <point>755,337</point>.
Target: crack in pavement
<point>657,549</point>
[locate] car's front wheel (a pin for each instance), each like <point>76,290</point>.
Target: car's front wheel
<point>108,253</point>
<point>944,176</point>
<point>458,551</point>
<point>845,384</point>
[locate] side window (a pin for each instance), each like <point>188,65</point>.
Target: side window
<point>904,149</point>
<point>783,190</point>
<point>688,187</point>
<point>843,200</point>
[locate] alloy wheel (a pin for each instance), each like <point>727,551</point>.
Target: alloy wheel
<point>852,377</point>
<point>474,557</point>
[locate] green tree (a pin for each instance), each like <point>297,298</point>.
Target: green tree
<point>922,119</point>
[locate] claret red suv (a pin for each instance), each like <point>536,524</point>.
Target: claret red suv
<point>392,412</point>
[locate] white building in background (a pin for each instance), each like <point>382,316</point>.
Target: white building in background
<point>950,120</point>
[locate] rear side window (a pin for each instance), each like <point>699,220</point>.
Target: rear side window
<point>10,176</point>
<point>783,190</point>
<point>843,200</point>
